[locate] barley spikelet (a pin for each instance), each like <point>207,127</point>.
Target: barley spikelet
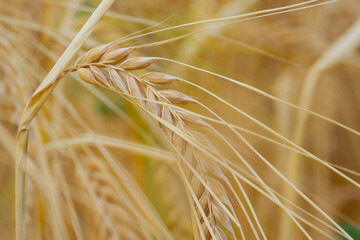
<point>215,179</point>
<point>213,217</point>
<point>122,219</point>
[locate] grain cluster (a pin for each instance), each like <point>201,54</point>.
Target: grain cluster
<point>108,66</point>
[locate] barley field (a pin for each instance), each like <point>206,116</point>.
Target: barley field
<point>179,119</point>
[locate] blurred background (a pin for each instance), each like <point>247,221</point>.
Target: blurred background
<point>308,57</point>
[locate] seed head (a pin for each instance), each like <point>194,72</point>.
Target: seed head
<point>117,55</point>
<point>101,76</point>
<point>137,63</point>
<point>176,97</point>
<point>191,118</point>
<point>218,212</point>
<point>96,53</point>
<point>86,75</point>
<point>135,88</point>
<point>151,96</point>
<point>158,78</point>
<point>118,80</point>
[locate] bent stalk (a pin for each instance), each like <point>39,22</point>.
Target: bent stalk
<point>33,106</point>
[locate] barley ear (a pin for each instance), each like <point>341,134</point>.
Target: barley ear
<point>34,105</point>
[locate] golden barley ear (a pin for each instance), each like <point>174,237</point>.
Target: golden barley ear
<point>119,76</point>
<point>123,222</point>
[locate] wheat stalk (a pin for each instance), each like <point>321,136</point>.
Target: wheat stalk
<point>344,46</point>
<point>34,105</point>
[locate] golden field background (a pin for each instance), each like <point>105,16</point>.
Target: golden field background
<point>96,160</point>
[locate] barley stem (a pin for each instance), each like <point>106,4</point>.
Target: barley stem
<point>34,105</point>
